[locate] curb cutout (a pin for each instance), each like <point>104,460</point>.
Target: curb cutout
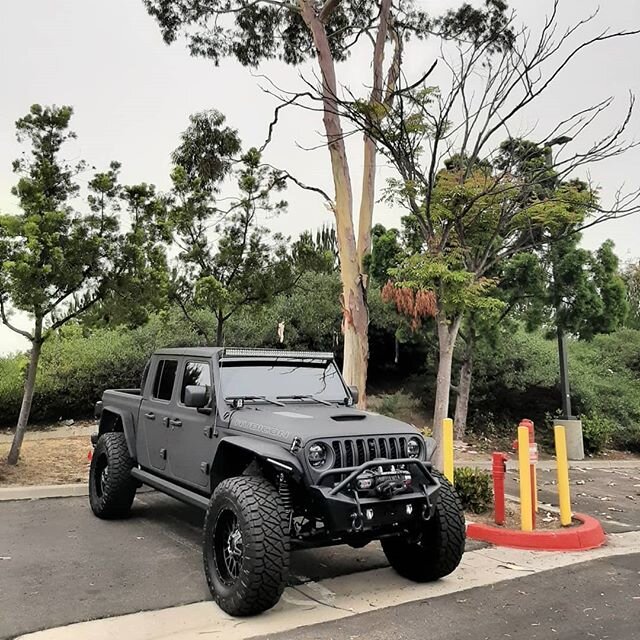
<point>588,535</point>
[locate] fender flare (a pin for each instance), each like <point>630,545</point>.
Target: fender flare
<point>270,452</point>
<point>126,417</point>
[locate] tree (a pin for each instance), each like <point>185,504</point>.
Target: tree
<point>470,208</point>
<point>56,262</point>
<point>327,32</point>
<point>319,254</point>
<point>140,281</point>
<point>631,276</point>
<point>227,260</point>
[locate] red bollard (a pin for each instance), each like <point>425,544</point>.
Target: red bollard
<point>498,470</point>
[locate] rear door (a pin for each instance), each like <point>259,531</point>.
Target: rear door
<point>191,432</point>
<point>155,411</point>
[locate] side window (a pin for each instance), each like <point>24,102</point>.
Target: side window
<point>165,378</point>
<point>196,373</point>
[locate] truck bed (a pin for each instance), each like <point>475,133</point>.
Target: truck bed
<point>127,399</point>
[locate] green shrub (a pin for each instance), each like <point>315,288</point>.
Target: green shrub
<point>597,431</point>
<point>401,406</point>
<point>516,376</point>
<point>474,489</point>
<point>76,366</point>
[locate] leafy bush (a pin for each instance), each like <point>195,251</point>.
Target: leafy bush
<point>474,489</point>
<point>77,366</point>
<point>516,376</point>
<point>597,431</point>
<point>400,405</point>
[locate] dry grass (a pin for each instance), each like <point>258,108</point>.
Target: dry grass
<point>51,461</point>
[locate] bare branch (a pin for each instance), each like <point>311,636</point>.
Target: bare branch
<point>5,321</point>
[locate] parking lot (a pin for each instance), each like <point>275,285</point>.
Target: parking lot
<point>60,564</point>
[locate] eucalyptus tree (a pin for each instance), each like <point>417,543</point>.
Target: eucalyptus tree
<point>326,32</point>
<point>56,262</point>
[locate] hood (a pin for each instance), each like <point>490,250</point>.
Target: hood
<point>311,421</point>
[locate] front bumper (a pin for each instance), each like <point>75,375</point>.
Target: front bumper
<point>345,510</point>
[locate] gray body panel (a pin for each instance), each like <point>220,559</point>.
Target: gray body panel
<point>309,420</point>
<point>185,445</point>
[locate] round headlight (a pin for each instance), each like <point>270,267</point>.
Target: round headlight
<point>413,448</point>
<point>317,455</point>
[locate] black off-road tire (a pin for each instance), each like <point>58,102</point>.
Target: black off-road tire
<point>111,486</point>
<point>254,508</point>
<point>437,548</point>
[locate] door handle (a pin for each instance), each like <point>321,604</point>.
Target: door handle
<point>175,422</point>
<point>150,415</point>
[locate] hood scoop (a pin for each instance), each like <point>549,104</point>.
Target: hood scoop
<point>348,417</point>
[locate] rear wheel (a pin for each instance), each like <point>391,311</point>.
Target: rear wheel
<point>246,546</point>
<point>436,549</point>
<point>111,486</point>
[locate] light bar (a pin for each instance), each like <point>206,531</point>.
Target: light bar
<point>277,353</point>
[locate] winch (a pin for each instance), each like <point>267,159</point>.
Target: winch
<point>383,484</point>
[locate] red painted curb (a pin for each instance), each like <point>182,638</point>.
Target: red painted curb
<point>588,535</point>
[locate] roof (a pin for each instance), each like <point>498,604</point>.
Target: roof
<point>233,352</point>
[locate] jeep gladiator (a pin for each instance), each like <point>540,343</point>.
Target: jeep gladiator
<point>271,445</point>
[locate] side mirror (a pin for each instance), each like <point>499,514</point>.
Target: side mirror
<point>196,396</point>
<point>353,390</point>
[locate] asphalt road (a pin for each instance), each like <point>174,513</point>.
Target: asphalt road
<point>599,600</point>
<point>611,495</point>
<point>59,564</point>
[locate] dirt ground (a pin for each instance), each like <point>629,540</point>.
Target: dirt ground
<point>51,461</point>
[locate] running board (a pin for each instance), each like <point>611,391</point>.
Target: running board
<point>171,489</point>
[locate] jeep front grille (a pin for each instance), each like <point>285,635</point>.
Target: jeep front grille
<point>352,452</point>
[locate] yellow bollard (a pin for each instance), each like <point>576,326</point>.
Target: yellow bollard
<point>526,516</point>
<point>563,475</point>
<point>447,448</point>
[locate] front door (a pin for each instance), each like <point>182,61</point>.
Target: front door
<point>191,443</point>
<point>155,411</point>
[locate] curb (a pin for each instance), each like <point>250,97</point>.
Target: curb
<point>588,535</point>
<point>38,492</point>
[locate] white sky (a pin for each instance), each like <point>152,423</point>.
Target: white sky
<point>132,97</point>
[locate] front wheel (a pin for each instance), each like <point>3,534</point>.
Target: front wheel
<point>111,486</point>
<point>246,546</point>
<point>436,549</point>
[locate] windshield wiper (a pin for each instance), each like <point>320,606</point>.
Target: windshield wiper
<point>305,397</point>
<point>269,400</point>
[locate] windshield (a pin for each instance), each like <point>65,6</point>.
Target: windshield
<point>309,380</point>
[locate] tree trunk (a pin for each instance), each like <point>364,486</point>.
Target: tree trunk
<point>29,387</point>
<point>447,335</point>
<point>367,200</point>
<point>464,390</point>
<point>220,330</point>
<point>355,311</point>
<point>365,220</point>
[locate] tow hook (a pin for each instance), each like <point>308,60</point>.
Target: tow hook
<point>429,508</point>
<point>356,522</point>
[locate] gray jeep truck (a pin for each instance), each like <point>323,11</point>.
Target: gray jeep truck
<point>271,445</point>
